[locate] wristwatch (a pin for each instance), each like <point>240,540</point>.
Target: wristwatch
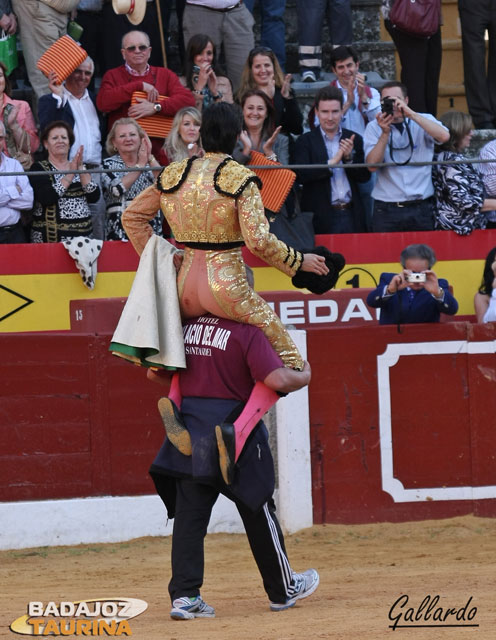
<point>157,107</point>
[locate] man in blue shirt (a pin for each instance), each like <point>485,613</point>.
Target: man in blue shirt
<point>403,194</point>
<point>414,295</point>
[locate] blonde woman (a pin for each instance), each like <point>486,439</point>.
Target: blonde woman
<point>130,148</point>
<point>184,139</point>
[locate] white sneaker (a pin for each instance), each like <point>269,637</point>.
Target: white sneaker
<point>189,608</point>
<point>304,584</point>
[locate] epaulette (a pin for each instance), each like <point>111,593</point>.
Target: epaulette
<point>231,178</point>
<point>172,177</point>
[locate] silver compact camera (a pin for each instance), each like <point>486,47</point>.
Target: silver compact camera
<point>416,276</point>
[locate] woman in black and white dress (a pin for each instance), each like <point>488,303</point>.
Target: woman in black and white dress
<point>61,207</point>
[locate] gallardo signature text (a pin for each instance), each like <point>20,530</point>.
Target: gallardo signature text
<point>429,614</point>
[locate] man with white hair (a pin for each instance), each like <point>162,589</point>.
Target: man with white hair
<point>16,194</point>
<point>74,104</point>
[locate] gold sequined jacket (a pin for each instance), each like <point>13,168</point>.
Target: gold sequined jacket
<point>212,201</point>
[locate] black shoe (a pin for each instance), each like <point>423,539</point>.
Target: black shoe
<point>174,426</point>
<point>226,443</point>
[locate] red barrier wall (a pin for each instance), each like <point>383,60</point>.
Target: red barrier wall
<point>76,421</point>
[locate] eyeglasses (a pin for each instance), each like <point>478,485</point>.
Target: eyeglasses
<point>80,72</point>
<point>141,47</point>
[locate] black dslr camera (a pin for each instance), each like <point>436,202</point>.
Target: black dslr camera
<point>387,106</point>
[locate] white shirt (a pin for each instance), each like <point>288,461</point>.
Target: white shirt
<point>86,125</point>
<point>16,192</point>
<point>400,183</point>
<point>353,118</point>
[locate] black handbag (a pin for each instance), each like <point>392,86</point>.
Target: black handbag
<point>295,228</point>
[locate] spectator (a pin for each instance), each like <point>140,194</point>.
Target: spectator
<point>262,71</point>
<point>332,193</point>
<point>116,25</point>
<point>485,298</point>
<point>477,19</point>
<point>260,132</point>
<point>212,387</point>
<point>488,171</point>
<point>459,188</point>
<point>16,194</point>
<point>20,129</point>
<point>272,26</point>
<point>403,195</point>
<point>311,17</point>
<point>420,63</point>
<point>8,20</point>
<point>228,24</point>
<point>136,74</point>
<point>72,103</point>
<point>183,140</point>
<point>128,146</point>
<point>39,27</point>
<point>201,75</point>
<point>228,212</point>
<point>93,39</point>
<point>415,294</point>
<point>61,200</point>
<point>361,104</point>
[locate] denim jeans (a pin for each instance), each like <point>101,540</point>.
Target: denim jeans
<point>311,17</point>
<point>273,29</point>
<point>390,217</point>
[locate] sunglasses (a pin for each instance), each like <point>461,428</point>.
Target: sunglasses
<point>257,50</point>
<point>141,47</point>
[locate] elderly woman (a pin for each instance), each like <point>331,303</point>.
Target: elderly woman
<point>459,188</point>
<point>201,75</point>
<point>20,128</point>
<point>61,199</point>
<point>129,147</point>
<point>262,71</point>
<point>183,140</point>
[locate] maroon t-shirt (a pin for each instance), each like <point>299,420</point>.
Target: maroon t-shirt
<point>224,358</point>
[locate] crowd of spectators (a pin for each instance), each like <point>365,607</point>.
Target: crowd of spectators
<point>350,123</point>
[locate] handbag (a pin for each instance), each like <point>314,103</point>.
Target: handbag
<point>420,18</point>
<point>157,125</point>
<point>296,229</point>
<point>276,185</point>
<point>25,158</point>
<point>62,6</point>
<point>8,51</point>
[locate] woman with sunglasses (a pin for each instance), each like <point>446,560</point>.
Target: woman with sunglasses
<point>201,75</point>
<point>262,71</point>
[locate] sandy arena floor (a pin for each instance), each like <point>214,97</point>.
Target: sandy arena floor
<point>364,569</point>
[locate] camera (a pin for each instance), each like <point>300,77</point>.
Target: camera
<point>387,106</point>
<point>416,276</point>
